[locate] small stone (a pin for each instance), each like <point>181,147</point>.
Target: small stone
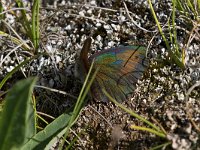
<point>107,27</point>
<point>81,13</point>
<point>122,18</point>
<point>93,3</point>
<point>68,27</point>
<point>111,43</point>
<point>98,24</point>
<point>99,38</point>
<point>60,42</point>
<point>89,11</point>
<point>58,59</point>
<point>9,68</point>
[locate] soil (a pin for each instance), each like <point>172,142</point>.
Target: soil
<point>167,95</point>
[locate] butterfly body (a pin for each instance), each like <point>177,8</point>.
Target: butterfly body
<point>119,70</point>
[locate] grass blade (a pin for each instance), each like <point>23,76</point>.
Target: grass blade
<point>157,130</point>
<point>48,136</point>
<point>15,69</point>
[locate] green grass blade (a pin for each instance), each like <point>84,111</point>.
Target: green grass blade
<point>192,9</point>
<point>175,45</point>
<point>179,5</point>
<point>48,136</point>
<point>35,23</point>
<point>31,28</point>
<point>158,25</point>
<point>77,109</point>
<point>159,147</point>
<point>198,6</point>
<point>1,10</point>
<point>172,54</point>
<point>15,69</point>
<point>15,40</point>
<point>160,134</point>
<point>25,22</point>
<point>17,120</point>
<point>131,112</point>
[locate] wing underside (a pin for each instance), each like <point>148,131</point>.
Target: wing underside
<point>119,71</point>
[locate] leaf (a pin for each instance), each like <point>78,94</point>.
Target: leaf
<point>17,123</point>
<point>50,134</point>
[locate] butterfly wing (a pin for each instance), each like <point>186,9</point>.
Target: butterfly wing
<point>120,68</point>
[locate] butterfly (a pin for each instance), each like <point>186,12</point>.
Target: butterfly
<point>119,69</point>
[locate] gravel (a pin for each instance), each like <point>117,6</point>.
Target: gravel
<point>161,96</point>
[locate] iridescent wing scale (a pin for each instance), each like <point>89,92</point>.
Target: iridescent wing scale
<point>120,68</point>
